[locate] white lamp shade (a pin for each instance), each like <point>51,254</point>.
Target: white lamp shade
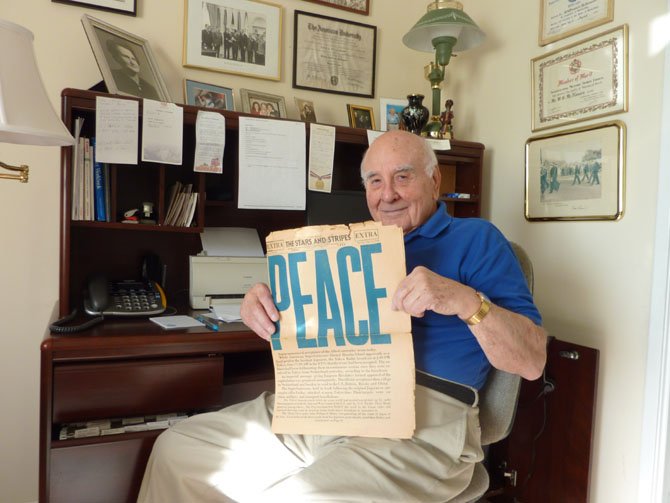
<point>26,114</point>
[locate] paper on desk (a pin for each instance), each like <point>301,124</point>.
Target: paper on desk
<point>210,140</point>
<point>227,312</point>
<point>179,321</point>
<point>162,132</point>
<point>321,154</point>
<point>116,130</point>
<point>231,242</point>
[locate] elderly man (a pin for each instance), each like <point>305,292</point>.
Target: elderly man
<point>470,309</point>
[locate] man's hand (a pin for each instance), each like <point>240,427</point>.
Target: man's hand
<point>423,290</point>
<point>258,310</point>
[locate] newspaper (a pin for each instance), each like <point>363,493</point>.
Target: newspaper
<point>343,359</point>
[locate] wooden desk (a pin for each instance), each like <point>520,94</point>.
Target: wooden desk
<point>126,369</point>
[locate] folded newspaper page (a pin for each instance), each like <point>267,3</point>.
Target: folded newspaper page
<point>343,359</point>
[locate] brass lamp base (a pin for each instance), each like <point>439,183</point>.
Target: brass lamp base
<point>434,129</point>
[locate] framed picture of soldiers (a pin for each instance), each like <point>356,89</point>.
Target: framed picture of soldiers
<point>243,37</point>
<point>576,174</point>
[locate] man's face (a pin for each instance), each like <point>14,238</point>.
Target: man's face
<point>129,60</point>
<point>397,188</point>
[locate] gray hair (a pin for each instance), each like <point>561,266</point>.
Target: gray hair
<point>429,158</point>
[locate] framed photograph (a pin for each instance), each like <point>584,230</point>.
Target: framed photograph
<point>243,37</point>
<point>128,7</point>
<point>389,113</point>
<point>264,104</point>
<point>361,117</point>
<point>561,19</point>
<point>305,110</point>
<point>125,60</point>
<point>585,80</point>
<point>334,56</point>
<point>357,6</point>
<point>577,174</point>
<point>208,95</point>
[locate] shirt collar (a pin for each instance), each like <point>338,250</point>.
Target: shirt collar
<point>437,222</point>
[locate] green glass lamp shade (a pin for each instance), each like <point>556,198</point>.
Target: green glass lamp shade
<point>443,20</point>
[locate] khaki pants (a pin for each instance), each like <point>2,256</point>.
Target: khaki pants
<point>232,455</point>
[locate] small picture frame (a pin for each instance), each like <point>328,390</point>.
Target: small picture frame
<point>263,104</point>
<point>125,60</point>
<point>305,110</point>
<point>390,111</point>
<point>242,37</point>
<point>361,117</point>
<point>208,95</point>
<point>357,6</point>
<point>576,174</point>
<point>128,7</point>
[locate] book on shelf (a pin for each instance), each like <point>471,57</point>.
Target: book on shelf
<point>88,181</point>
<point>99,187</point>
<point>181,206</point>
<point>75,210</point>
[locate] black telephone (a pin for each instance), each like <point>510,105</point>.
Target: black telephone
<point>116,298</point>
<point>124,298</point>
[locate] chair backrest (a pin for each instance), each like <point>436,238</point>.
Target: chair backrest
<point>499,396</point>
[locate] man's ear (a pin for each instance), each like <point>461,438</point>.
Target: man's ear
<point>437,180</point>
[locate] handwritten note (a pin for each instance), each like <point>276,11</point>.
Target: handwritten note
<point>116,130</point>
<point>162,132</point>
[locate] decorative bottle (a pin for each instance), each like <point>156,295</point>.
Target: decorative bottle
<point>415,115</point>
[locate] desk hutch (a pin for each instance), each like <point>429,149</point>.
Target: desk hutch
<point>128,368</point>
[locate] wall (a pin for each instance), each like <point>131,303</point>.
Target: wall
<point>592,279</point>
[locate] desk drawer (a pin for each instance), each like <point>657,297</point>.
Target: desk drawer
<point>99,390</point>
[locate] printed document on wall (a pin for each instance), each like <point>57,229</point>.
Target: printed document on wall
<point>343,358</point>
<point>272,164</point>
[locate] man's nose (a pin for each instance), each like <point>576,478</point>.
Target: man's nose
<point>389,193</point>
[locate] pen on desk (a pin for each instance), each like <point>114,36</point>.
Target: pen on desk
<point>208,323</point>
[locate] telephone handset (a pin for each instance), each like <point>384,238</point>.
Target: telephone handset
<point>124,298</point>
<point>117,298</point>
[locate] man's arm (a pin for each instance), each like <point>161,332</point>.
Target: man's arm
<point>511,341</point>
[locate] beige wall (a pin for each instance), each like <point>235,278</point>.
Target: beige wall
<point>592,279</point>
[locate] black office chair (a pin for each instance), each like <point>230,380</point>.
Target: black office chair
<point>497,404</point>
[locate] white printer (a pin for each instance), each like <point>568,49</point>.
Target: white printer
<point>231,262</point>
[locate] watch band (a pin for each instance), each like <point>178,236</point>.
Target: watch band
<point>484,309</point>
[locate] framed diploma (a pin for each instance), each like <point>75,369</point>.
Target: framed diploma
<point>357,6</point>
<point>585,80</point>
<point>560,19</point>
<point>576,174</point>
<point>234,36</point>
<point>334,56</point>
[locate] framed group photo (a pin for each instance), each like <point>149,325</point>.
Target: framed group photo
<point>390,113</point>
<point>333,55</point>
<point>125,60</point>
<point>361,117</point>
<point>263,104</point>
<point>559,20</point>
<point>585,80</point>
<point>357,6</point>
<point>208,95</point>
<point>242,37</point>
<point>128,7</point>
<point>577,174</point>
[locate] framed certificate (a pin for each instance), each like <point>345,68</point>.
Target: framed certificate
<point>334,56</point>
<point>576,174</point>
<point>560,19</point>
<point>585,80</point>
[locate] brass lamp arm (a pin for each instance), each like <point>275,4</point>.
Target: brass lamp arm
<point>22,170</point>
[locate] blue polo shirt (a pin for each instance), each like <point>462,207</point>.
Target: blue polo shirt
<point>474,252</point>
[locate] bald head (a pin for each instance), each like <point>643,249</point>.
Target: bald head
<point>398,139</point>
